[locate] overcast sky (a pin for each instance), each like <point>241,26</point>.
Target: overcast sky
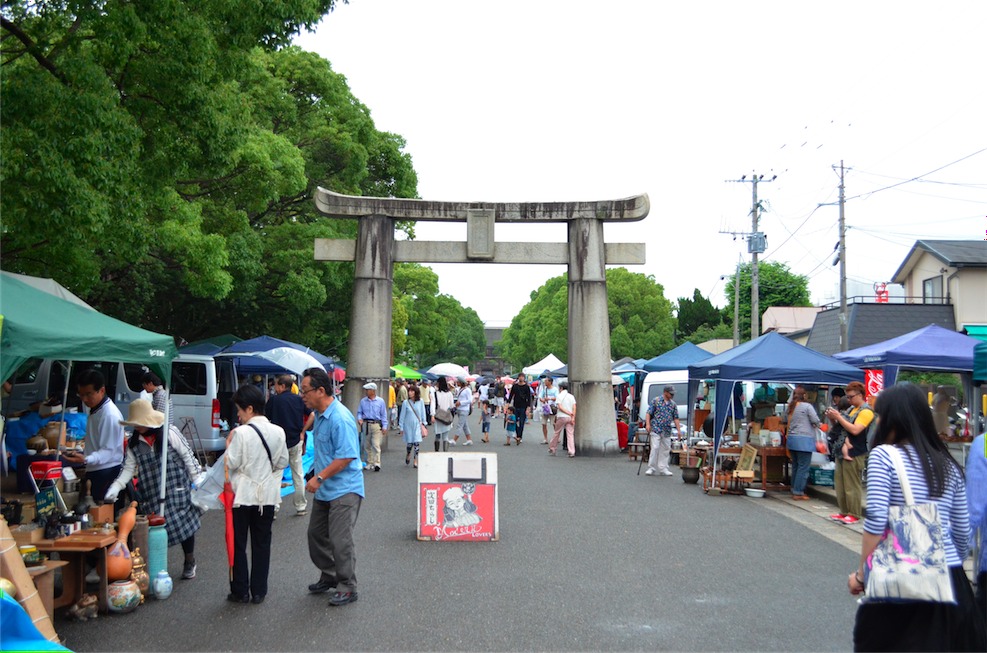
<point>561,101</point>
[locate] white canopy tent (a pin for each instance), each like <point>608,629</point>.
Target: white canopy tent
<point>550,362</point>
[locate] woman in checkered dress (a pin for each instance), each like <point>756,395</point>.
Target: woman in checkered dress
<point>143,460</point>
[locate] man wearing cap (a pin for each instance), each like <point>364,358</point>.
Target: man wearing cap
<point>658,422</point>
<point>288,411</point>
<point>373,411</point>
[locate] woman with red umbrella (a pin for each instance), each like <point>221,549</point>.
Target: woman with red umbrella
<point>255,456</point>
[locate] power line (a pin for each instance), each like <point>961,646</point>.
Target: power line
<point>918,177</point>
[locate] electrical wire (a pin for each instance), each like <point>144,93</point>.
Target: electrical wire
<point>917,177</point>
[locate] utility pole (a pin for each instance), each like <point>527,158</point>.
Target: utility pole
<point>736,305</point>
<point>756,244</point>
<point>844,318</point>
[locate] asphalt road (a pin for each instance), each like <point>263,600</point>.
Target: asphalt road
<point>591,557</point>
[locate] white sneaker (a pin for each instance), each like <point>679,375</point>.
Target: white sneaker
<point>468,443</point>
<point>452,443</point>
<point>665,473</point>
<point>650,472</point>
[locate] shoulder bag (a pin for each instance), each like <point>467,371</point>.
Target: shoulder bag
<point>442,413</point>
<point>909,563</point>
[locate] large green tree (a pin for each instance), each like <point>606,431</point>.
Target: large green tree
<point>696,312</point>
<point>641,321</point>
<point>777,285</point>
<point>159,159</point>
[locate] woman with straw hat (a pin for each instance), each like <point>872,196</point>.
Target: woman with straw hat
<point>143,460</point>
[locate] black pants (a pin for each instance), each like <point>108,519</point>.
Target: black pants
<point>255,522</point>
<point>521,414</point>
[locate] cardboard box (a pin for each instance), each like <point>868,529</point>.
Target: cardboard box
<point>101,514</point>
<point>27,533</point>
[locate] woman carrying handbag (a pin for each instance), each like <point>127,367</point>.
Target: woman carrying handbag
<point>916,537</point>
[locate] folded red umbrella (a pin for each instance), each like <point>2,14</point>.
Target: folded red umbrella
<point>226,498</point>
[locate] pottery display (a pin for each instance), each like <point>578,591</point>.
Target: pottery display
<point>139,574</point>
<point>38,443</point>
<point>52,433</point>
<point>162,585</point>
<point>123,596</point>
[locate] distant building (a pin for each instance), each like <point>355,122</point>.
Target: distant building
<point>491,364</point>
<point>944,282</point>
<point>949,272</point>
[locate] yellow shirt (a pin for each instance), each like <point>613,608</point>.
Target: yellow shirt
<point>391,398</point>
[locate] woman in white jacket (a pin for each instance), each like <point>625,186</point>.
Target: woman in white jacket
<point>255,456</point>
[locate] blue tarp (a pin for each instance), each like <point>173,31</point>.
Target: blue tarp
<point>771,358</point>
<point>980,362</point>
<point>249,365</point>
<point>679,358</point>
<point>929,348</point>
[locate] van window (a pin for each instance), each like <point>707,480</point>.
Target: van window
<point>188,378</point>
<point>28,371</point>
<point>134,373</point>
<point>681,392</point>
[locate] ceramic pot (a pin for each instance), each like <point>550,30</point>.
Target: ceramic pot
<point>690,475</point>
<point>37,442</point>
<point>162,585</point>
<point>126,522</point>
<point>53,432</point>
<point>123,596</point>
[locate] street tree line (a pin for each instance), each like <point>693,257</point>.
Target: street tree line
<point>643,323</point>
<point>159,160</point>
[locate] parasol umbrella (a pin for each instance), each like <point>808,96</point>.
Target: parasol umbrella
<point>507,380</point>
<point>226,498</point>
<point>448,369</point>
<point>290,359</point>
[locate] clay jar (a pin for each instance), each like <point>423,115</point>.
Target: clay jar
<point>118,561</point>
<point>123,596</point>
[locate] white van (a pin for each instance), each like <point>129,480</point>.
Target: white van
<point>201,392</point>
<point>655,382</point>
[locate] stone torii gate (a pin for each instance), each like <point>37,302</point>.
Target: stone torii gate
<point>375,251</point>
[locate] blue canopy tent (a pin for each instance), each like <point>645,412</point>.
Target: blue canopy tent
<point>771,358</point>
<point>679,358</point>
<point>247,364</point>
<point>929,348</point>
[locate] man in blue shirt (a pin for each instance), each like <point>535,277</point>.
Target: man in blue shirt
<point>373,413</point>
<point>338,488</point>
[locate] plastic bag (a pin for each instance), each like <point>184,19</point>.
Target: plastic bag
<point>822,445</point>
<point>206,495</point>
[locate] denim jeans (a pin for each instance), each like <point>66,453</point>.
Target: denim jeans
<point>800,470</point>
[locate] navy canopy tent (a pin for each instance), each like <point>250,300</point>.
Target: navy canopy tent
<point>772,358</point>
<point>929,348</point>
<point>679,358</point>
<point>247,364</point>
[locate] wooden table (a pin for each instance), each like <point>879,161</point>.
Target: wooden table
<point>766,454</point>
<point>74,549</point>
<point>44,580</point>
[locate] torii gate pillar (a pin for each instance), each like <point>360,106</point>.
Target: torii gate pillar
<point>586,254</point>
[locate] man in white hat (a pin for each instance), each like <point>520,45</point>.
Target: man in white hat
<point>373,412</point>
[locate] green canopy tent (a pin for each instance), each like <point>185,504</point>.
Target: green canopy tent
<point>404,372</point>
<point>35,323</point>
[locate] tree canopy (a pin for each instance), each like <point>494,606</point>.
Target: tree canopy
<point>697,312</point>
<point>777,286</point>
<point>159,160</point>
<point>641,320</point>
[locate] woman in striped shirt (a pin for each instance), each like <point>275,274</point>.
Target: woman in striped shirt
<point>934,476</point>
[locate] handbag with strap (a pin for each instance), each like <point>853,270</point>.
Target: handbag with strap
<point>909,563</point>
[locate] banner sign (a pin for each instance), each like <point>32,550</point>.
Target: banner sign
<point>457,511</point>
